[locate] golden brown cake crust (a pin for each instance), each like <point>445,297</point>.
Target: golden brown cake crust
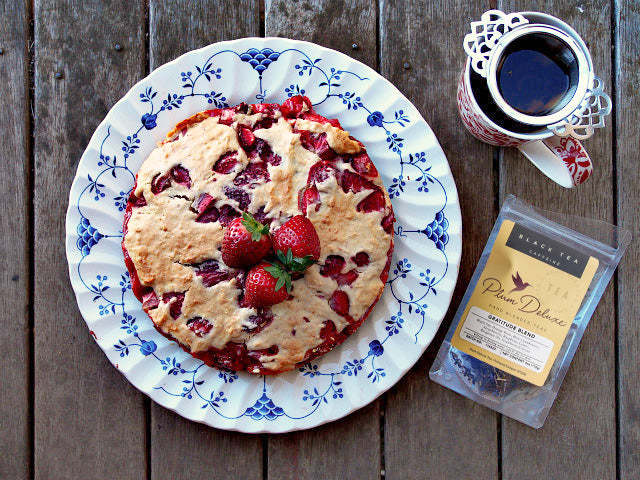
<point>169,242</point>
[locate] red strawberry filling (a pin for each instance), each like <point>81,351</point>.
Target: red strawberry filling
<point>202,203</point>
<point>361,259</point>
<point>174,299</point>
<point>317,144</point>
<point>246,137</point>
<point>307,140</point>
<point>252,176</point>
<point>352,182</point>
<point>240,277</point>
<point>210,273</point>
<point>332,267</point>
<point>178,174</point>
<point>266,122</point>
<point>239,195</point>
<point>387,222</point>
<point>328,330</point>
<point>211,214</point>
<point>242,107</point>
<point>362,164</point>
<point>235,356</point>
<point>225,115</point>
<point>259,321</point>
<point>320,172</point>
<point>205,209</point>
<point>331,338</point>
<point>150,301</point>
<point>314,117</point>
<point>227,214</point>
<point>232,356</point>
<point>384,275</point>
<point>136,201</point>
<point>339,303</point>
<point>373,203</point>
<point>308,196</point>
<point>292,107</point>
<point>323,150</point>
<point>267,108</point>
<point>199,326</point>
<point>226,162</point>
<point>347,278</point>
<point>181,176</point>
<point>160,183</point>
<point>264,152</point>
<point>261,216</point>
<point>255,355</point>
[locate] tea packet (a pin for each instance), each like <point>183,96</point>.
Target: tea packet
<point>525,310</point>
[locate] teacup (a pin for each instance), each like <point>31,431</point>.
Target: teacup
<point>549,140</point>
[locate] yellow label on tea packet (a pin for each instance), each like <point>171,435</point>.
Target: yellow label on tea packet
<point>524,302</point>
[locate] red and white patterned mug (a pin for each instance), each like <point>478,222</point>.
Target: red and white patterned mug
<point>553,148</point>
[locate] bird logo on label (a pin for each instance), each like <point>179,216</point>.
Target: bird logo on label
<point>520,285</point>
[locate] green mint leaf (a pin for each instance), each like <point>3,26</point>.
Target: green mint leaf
<point>296,267</point>
<point>281,256</point>
<point>283,277</point>
<point>300,264</point>
<point>274,270</point>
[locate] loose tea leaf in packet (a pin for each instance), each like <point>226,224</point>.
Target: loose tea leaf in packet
<point>525,310</point>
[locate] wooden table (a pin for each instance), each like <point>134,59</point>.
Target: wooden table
<point>65,412</point>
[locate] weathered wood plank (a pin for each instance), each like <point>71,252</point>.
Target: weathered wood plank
<point>627,77</point>
<point>175,30</point>
<point>586,402</point>
<point>89,421</point>
<point>348,448</point>
<point>451,437</point>
<point>14,245</point>
<point>184,449</point>
<point>337,24</point>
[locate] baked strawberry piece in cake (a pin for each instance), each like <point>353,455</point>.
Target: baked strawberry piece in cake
<point>258,237</point>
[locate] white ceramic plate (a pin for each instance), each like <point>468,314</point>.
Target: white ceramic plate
<point>412,165</point>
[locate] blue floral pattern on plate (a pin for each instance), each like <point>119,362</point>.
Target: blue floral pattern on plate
<point>422,275</point>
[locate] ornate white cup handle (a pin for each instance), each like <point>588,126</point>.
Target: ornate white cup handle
<point>563,159</point>
<point>485,34</point>
<point>588,116</point>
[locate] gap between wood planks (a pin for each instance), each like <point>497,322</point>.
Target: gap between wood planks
<point>614,178</point>
<point>30,98</point>
<point>383,398</point>
<point>146,402</point>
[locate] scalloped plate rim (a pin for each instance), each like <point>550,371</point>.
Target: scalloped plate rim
<point>453,262</point>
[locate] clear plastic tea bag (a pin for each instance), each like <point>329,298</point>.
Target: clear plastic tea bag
<point>525,310</point>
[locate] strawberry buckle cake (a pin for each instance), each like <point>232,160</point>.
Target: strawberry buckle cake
<point>258,237</point>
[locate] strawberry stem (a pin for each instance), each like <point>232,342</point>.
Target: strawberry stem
<point>254,227</point>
